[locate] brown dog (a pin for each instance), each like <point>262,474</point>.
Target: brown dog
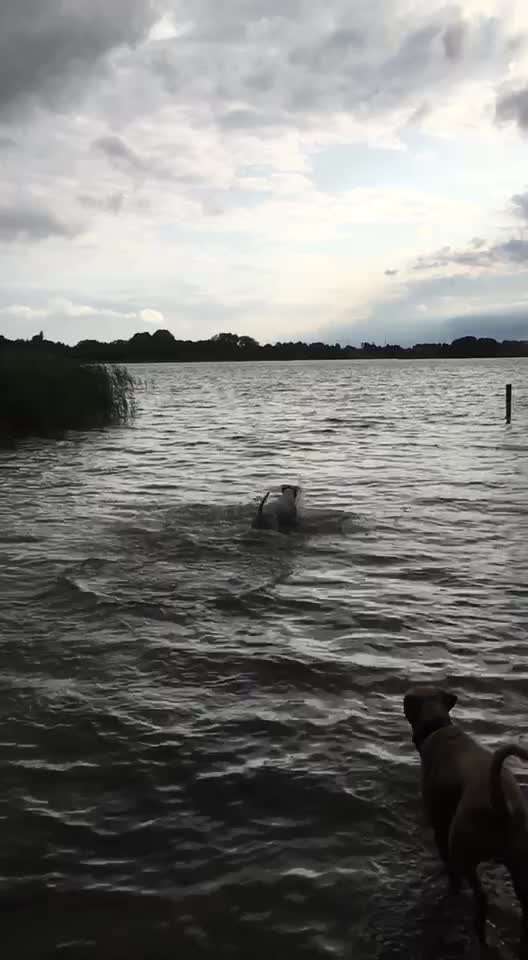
<point>475,807</point>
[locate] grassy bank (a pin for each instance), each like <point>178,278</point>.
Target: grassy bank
<point>44,394</point>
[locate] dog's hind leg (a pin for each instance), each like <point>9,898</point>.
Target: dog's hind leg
<point>481,903</point>
<point>441,835</point>
<point>520,885</point>
<point>440,818</point>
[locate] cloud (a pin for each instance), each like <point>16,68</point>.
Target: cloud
<point>116,149</point>
<point>154,317</point>
<point>44,41</point>
<point>390,273</point>
<point>320,53</point>
<point>514,107</point>
<point>290,63</point>
<point>446,257</point>
<point>125,158</point>
<point>112,203</point>
<point>520,205</point>
<point>512,251</point>
<point>481,254</point>
<point>454,40</point>
<point>507,325</point>
<point>31,223</point>
<point>441,308</point>
<point>428,328</point>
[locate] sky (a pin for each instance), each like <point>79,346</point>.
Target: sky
<point>335,170</point>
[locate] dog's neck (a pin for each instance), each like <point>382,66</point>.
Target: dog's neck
<point>424,730</point>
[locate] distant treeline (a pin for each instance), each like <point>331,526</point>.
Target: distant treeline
<point>162,346</point>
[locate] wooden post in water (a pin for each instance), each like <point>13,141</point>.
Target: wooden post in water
<point>508,402</point>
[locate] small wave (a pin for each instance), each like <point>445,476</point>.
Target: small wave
<point>71,586</point>
<point>19,538</point>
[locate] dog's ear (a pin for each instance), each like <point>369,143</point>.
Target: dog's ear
<point>411,706</point>
<point>449,699</point>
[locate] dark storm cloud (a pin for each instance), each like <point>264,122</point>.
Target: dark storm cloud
<point>27,223</point>
<point>6,142</point>
<point>42,41</point>
<point>514,107</point>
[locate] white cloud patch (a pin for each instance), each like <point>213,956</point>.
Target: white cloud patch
<point>64,320</point>
<point>154,317</point>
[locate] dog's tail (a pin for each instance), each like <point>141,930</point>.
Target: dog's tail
<point>258,522</point>
<point>262,502</point>
<point>498,800</point>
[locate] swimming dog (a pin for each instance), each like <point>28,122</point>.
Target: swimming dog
<point>475,807</point>
<point>280,513</point>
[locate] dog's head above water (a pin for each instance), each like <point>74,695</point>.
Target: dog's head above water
<point>291,491</point>
<point>427,709</point>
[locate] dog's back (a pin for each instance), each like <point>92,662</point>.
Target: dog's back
<point>459,769</point>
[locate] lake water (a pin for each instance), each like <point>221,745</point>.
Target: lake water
<point>202,744</point>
